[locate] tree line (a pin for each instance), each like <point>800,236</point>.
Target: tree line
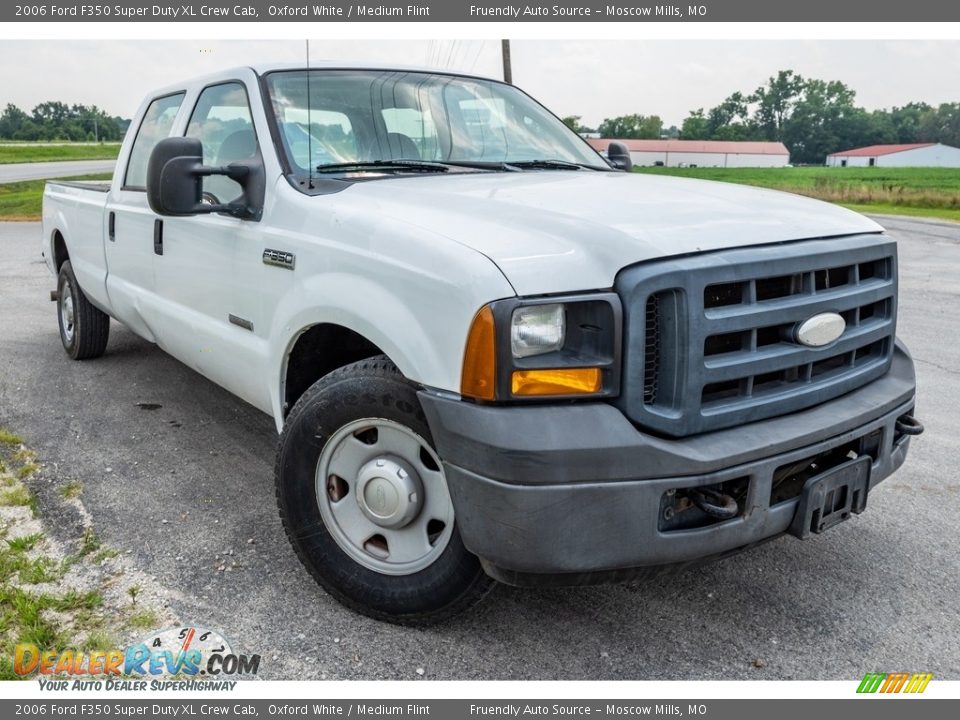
<point>812,117</point>
<point>59,121</point>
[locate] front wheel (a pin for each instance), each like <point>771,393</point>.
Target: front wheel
<point>364,499</point>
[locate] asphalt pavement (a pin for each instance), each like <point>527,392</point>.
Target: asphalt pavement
<point>18,172</point>
<point>178,485</point>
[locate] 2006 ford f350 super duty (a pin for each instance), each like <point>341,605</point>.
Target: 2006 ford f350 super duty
<point>491,353</point>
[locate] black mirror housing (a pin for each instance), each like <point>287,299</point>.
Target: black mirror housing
<point>175,175</point>
<point>619,156</point>
<point>173,186</point>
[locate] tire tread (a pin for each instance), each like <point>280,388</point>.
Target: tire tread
<point>375,367</point>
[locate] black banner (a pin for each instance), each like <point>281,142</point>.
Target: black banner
<point>617,11</point>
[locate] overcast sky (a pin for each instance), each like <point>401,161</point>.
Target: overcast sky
<point>594,79</point>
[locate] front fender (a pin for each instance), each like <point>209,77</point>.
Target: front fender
<point>424,339</point>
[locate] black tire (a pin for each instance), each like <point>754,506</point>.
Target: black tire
<point>86,337</point>
<point>372,388</point>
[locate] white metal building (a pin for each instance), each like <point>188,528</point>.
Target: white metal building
<point>912,155</point>
<point>701,153</point>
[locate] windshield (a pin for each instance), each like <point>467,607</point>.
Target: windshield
<point>373,116</point>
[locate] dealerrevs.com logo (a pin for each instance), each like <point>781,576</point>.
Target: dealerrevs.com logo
<point>901,682</point>
<point>179,658</point>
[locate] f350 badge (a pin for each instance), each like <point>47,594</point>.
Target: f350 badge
<point>280,258</point>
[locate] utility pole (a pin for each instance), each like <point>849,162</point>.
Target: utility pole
<point>507,70</point>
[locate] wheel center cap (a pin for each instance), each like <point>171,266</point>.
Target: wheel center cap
<point>388,492</point>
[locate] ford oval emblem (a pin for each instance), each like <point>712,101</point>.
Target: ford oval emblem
<point>820,330</point>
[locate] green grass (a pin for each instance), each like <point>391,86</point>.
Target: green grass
<point>90,542</point>
<point>25,543</point>
<point>50,152</point>
<point>71,490</point>
<point>30,610</point>
<point>24,200</point>
<point>18,495</point>
<point>920,192</point>
<point>8,438</point>
<point>142,620</point>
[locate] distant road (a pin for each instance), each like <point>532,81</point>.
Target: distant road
<point>18,172</point>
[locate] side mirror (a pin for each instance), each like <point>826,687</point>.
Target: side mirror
<point>619,156</point>
<point>175,175</point>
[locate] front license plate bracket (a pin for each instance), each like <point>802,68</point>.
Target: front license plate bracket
<point>832,497</point>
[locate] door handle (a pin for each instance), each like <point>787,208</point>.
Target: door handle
<point>112,226</point>
<point>158,236</point>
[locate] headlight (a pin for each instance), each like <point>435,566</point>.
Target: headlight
<point>549,348</point>
<point>537,330</point>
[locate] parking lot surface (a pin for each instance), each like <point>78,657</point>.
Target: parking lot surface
<point>186,488</point>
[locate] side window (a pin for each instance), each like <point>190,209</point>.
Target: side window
<point>221,121</point>
<point>155,126</point>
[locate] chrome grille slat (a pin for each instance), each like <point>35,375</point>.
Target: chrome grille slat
<point>723,353</point>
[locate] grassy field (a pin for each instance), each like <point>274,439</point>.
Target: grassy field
<point>49,152</point>
<point>23,200</point>
<point>926,192</point>
<point>60,591</point>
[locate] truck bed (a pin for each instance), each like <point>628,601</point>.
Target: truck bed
<point>96,185</point>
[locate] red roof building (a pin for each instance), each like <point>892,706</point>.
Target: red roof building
<point>701,153</point>
<point>905,155</point>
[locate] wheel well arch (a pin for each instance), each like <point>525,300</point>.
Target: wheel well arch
<point>60,254</point>
<point>319,350</point>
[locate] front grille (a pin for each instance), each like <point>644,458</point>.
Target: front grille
<point>713,342</point>
<point>651,350</point>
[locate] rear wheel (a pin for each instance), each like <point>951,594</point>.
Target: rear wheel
<point>364,499</point>
<point>84,329</point>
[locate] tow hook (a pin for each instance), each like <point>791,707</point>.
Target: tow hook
<point>909,425</point>
<point>713,503</point>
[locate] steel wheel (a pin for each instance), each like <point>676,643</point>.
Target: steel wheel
<point>383,496</point>
<point>67,318</point>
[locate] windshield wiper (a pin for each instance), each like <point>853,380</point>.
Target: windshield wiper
<point>493,165</point>
<point>552,165</point>
<point>399,165</point>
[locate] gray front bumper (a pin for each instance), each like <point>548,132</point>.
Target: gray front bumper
<point>568,490</point>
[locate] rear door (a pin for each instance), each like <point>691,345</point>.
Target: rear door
<point>131,224</point>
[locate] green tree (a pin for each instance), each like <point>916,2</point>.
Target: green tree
<point>775,101</point>
<point>941,125</point>
<point>12,121</point>
<point>907,120</point>
<point>58,121</point>
<point>631,127</point>
<point>823,120</point>
<point>695,126</point>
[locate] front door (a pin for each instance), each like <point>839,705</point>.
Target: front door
<point>208,310</point>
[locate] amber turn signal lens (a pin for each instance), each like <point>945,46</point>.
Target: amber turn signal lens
<point>479,379</point>
<point>564,381</point>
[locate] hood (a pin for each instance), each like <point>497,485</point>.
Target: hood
<point>564,231</point>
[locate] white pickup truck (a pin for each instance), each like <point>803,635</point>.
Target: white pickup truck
<point>490,352</point>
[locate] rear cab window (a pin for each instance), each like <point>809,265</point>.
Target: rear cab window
<point>155,126</point>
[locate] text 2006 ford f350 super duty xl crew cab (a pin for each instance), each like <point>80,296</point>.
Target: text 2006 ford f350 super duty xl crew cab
<point>491,353</point>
